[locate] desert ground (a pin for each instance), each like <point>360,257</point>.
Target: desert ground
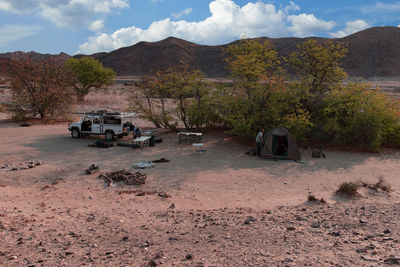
<point>220,207</point>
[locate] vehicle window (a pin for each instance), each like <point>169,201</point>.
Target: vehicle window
<point>96,121</point>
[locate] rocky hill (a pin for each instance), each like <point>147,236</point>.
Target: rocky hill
<point>374,52</point>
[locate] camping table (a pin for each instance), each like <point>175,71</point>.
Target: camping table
<point>141,140</point>
<point>189,137</point>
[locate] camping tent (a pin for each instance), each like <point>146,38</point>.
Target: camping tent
<point>280,144</point>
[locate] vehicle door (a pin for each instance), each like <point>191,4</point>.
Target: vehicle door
<point>86,126</point>
<point>97,127</point>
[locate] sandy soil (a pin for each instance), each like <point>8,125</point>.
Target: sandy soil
<point>225,207</point>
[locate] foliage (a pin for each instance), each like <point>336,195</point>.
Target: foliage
<point>260,98</point>
<point>176,93</point>
<point>360,117</point>
<point>155,108</point>
<point>88,73</point>
<point>318,66</point>
<point>38,88</point>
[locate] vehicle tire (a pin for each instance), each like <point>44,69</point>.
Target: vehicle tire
<point>109,135</point>
<point>75,133</point>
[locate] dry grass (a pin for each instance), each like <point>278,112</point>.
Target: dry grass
<point>381,185</point>
<point>349,189</point>
<point>313,199</point>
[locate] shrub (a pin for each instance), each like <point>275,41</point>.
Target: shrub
<point>357,116</point>
<point>380,185</point>
<point>38,88</point>
<point>348,189</point>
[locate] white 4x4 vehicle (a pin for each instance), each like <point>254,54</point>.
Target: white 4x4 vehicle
<point>111,124</point>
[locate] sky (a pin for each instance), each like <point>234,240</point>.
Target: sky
<point>91,26</point>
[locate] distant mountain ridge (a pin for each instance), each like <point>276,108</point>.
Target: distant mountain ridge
<point>374,52</point>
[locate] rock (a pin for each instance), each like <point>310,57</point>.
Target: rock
<point>291,228</point>
<point>172,206</point>
<point>163,195</point>
<point>249,220</point>
<point>363,221</point>
<point>366,258</point>
<point>335,234</point>
<point>387,231</point>
<point>315,225</point>
<point>145,244</point>
<point>152,263</point>
<point>189,256</point>
<point>392,261</point>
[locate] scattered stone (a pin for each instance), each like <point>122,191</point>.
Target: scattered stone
<point>92,169</point>
<point>152,263</point>
<point>172,206</point>
<point>387,231</point>
<point>189,256</point>
<point>366,258</point>
<point>392,261</point>
<point>146,244</point>
<point>315,225</point>
<point>163,195</point>
<point>250,220</point>
<point>335,233</point>
<point>291,228</point>
<point>363,221</point>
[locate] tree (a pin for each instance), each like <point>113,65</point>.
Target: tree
<point>357,116</point>
<point>260,97</point>
<point>175,93</point>
<point>249,61</point>
<point>88,73</point>
<point>38,88</point>
<point>319,65</point>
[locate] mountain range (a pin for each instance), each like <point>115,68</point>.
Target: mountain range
<point>374,52</point>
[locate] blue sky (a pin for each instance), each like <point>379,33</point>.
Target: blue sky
<point>90,26</point>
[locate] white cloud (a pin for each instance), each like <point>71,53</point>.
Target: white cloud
<point>96,26</point>
<point>11,33</point>
<point>304,25</point>
<point>65,13</point>
<point>186,11</point>
<point>227,22</point>
<point>382,7</point>
<point>351,27</point>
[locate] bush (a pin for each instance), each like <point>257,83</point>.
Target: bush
<point>348,189</point>
<point>380,185</point>
<point>359,117</point>
<point>38,88</point>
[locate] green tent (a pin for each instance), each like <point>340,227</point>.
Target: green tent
<point>280,144</point>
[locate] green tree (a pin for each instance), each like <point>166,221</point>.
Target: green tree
<point>152,99</point>
<point>319,68</point>
<point>38,88</point>
<point>88,73</point>
<point>176,93</point>
<point>260,97</point>
<point>360,117</point>
<point>249,61</point>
